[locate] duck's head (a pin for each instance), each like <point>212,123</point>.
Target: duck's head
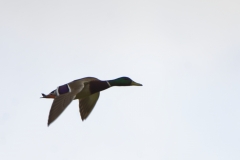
<point>123,81</point>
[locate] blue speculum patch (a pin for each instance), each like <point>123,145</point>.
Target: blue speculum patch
<point>63,89</point>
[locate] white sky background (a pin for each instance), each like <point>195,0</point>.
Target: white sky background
<point>185,53</point>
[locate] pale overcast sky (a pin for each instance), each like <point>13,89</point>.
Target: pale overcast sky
<point>185,53</point>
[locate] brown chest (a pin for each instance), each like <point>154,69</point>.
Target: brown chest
<point>97,86</point>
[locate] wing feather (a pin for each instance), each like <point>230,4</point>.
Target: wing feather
<point>61,102</point>
<point>87,104</point>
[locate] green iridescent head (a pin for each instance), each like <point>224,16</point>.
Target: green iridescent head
<point>123,81</point>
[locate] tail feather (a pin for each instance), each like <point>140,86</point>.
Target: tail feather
<point>48,96</point>
<point>43,96</point>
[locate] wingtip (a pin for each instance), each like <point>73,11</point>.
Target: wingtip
<point>49,122</point>
<point>83,119</point>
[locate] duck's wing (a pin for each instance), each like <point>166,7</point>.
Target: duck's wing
<point>61,101</point>
<point>65,95</point>
<point>87,104</point>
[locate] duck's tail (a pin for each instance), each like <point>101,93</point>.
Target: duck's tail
<point>48,96</point>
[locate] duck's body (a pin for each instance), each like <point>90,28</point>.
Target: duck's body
<point>87,90</point>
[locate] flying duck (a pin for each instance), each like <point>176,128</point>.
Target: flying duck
<point>86,90</point>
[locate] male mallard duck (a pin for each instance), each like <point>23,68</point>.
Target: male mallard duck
<point>86,90</point>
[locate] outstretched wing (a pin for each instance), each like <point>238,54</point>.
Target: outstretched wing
<point>87,104</point>
<point>61,102</point>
